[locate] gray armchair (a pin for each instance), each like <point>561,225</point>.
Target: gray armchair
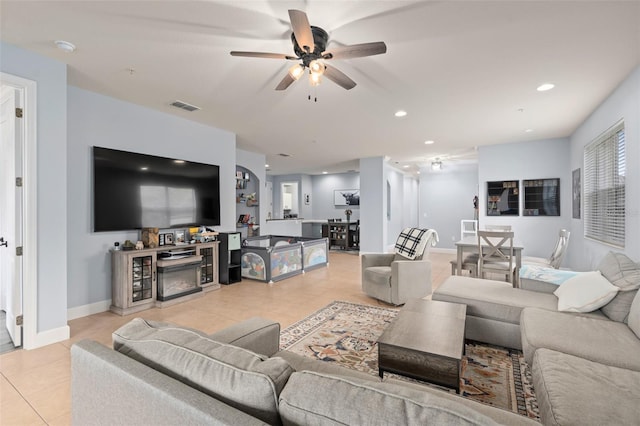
<point>395,279</point>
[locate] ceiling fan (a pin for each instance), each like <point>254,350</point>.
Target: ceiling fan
<point>309,44</point>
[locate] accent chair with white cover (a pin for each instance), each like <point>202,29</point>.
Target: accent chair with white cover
<point>555,260</point>
<point>404,274</point>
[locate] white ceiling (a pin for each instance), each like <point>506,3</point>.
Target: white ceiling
<point>465,71</point>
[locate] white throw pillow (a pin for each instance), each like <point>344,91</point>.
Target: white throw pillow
<point>585,292</point>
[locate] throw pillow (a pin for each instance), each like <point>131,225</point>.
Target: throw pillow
<point>235,376</point>
<point>620,271</point>
<point>585,292</point>
<point>624,274</point>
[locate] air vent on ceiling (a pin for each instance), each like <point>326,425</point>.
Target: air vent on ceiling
<point>185,106</point>
<point>284,155</point>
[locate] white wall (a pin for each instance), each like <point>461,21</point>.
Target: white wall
<point>446,198</point>
<point>51,79</point>
<point>542,159</point>
<point>623,103</point>
<point>98,120</point>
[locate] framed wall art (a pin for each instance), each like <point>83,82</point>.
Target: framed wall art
<point>577,192</point>
<point>503,198</point>
<point>346,197</point>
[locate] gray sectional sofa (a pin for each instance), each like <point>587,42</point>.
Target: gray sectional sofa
<point>163,374</point>
<point>585,366</point>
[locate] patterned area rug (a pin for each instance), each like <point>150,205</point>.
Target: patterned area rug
<point>347,333</point>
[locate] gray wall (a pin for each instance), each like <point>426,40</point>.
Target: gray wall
<point>322,195</point>
<point>98,120</point>
<point>624,103</point>
<point>51,78</point>
<point>446,198</point>
<point>528,160</point>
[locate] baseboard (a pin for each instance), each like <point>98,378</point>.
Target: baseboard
<point>86,310</point>
<point>49,337</point>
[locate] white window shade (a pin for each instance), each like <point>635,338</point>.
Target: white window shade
<point>604,187</point>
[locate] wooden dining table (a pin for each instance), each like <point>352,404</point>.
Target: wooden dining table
<point>470,245</point>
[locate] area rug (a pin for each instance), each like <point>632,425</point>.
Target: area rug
<point>346,333</point>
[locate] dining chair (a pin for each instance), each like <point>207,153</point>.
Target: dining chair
<point>495,249</point>
<point>555,260</point>
<point>469,263</point>
<point>497,227</point>
<point>468,228</point>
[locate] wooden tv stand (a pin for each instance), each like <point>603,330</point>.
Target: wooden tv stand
<point>134,276</point>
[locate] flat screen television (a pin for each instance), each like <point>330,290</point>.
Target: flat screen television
<point>132,191</point>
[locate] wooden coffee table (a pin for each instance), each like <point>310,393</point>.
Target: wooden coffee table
<point>426,342</point>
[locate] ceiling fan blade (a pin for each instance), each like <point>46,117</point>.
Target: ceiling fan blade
<point>301,29</point>
<point>338,77</point>
<point>357,50</point>
<point>262,55</point>
<point>286,82</point>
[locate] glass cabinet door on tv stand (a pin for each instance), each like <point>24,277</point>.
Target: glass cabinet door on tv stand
<point>133,280</point>
<point>209,268</point>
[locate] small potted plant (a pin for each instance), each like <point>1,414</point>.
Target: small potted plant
<point>348,213</point>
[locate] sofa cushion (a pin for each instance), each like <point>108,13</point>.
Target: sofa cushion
<point>573,390</point>
<point>585,292</point>
<point>621,271</point>
<point>236,376</point>
<point>584,335</point>
<point>494,300</point>
<point>312,398</point>
<point>624,274</point>
<point>380,275</point>
<point>634,315</point>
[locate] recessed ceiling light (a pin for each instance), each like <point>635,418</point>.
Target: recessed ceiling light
<point>266,165</point>
<point>406,166</point>
<point>65,46</point>
<point>429,142</point>
<point>144,168</point>
<point>324,172</point>
<point>401,113</point>
<point>179,161</point>
<point>528,130</point>
<point>544,87</point>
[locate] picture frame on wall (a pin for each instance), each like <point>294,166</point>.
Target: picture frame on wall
<point>503,198</point>
<point>577,193</point>
<point>346,197</point>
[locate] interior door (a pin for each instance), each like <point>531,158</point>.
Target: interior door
<point>11,211</point>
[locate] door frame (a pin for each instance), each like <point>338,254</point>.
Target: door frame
<point>29,209</point>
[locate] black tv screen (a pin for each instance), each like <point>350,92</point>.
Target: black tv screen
<point>132,191</point>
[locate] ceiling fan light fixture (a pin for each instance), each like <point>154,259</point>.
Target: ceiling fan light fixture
<point>436,166</point>
<point>316,67</point>
<point>296,71</point>
<point>314,79</point>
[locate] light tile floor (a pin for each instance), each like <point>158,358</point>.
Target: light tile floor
<point>35,385</point>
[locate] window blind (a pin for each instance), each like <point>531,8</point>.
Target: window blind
<point>604,187</point>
